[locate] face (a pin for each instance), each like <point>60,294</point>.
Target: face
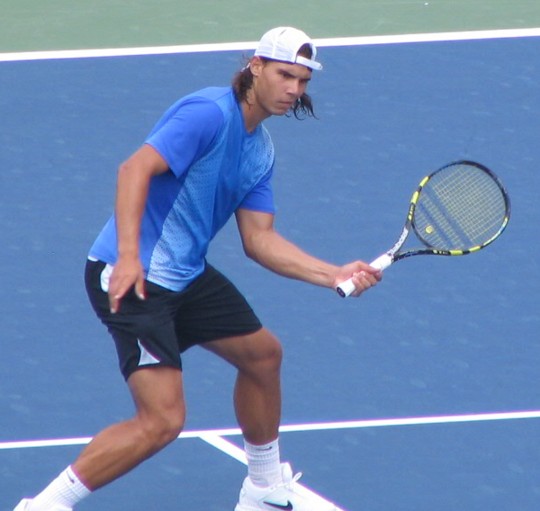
<point>277,85</point>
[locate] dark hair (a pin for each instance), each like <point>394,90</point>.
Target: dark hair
<point>243,81</point>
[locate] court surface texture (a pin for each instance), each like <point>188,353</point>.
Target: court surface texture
<point>423,394</point>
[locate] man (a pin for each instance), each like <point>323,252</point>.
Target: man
<point>147,278</point>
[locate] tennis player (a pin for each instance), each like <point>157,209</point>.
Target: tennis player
<point>148,279</point>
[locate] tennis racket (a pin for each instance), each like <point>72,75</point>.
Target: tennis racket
<point>458,209</point>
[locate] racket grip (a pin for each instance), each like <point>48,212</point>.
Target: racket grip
<point>382,262</point>
<point>347,287</point>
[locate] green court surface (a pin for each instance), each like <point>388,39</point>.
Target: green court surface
<point>28,25</point>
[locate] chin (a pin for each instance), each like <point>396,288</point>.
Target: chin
<point>282,110</point>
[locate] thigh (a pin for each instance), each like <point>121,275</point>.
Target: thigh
<point>158,392</point>
<point>143,330</point>
<point>249,352</point>
<point>213,308</point>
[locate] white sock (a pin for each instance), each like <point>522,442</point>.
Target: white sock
<point>264,465</point>
<point>64,492</point>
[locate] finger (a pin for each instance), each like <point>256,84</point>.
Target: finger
<point>114,303</point>
<point>140,289</point>
<point>375,272</point>
<point>115,296</point>
<point>363,281</point>
<point>358,284</point>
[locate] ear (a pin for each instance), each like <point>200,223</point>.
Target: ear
<point>256,64</point>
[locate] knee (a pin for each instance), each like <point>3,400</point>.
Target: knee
<point>264,356</point>
<point>273,353</point>
<point>160,429</point>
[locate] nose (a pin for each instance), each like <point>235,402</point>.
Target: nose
<point>296,88</point>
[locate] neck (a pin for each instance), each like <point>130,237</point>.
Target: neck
<point>253,113</point>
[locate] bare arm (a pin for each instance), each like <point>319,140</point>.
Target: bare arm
<point>266,246</point>
<point>134,177</point>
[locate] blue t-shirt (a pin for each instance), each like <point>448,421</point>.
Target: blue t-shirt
<point>216,167</point>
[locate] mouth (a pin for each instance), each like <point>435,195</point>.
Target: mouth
<point>286,104</point>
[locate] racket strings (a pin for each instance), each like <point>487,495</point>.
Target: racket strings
<point>459,208</point>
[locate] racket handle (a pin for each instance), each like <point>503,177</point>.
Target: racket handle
<point>382,262</point>
<point>347,287</point>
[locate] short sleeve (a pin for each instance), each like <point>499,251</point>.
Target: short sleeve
<point>186,132</point>
<point>261,197</point>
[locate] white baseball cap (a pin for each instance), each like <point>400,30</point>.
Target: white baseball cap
<point>283,43</point>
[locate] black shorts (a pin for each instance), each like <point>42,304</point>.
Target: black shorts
<point>156,330</point>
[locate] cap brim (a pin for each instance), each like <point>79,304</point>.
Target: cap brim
<point>308,63</point>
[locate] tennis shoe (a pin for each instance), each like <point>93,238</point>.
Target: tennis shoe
<point>24,504</point>
<point>287,496</point>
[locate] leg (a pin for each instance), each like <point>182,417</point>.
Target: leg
<point>157,391</point>
<point>160,414</point>
<point>258,407</point>
<point>257,395</point>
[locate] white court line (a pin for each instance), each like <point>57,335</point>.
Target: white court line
<point>225,446</point>
<point>215,437</point>
<point>237,46</point>
<point>321,426</point>
<point>238,454</point>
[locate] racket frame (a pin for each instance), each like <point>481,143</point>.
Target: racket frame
<point>391,256</point>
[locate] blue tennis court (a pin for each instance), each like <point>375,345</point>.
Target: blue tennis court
<point>439,337</point>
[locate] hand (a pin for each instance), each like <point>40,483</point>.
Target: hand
<point>362,274</point>
<point>127,272</point>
